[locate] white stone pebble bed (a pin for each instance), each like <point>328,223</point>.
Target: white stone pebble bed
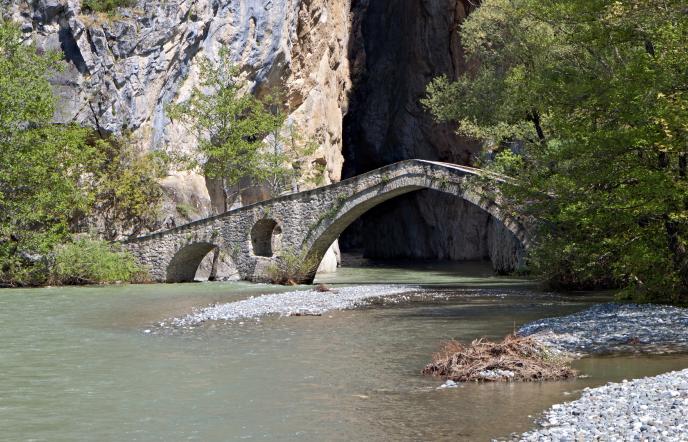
<point>297,303</point>
<point>614,327</point>
<point>647,409</point>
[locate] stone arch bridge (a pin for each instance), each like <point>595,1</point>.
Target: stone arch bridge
<point>307,222</point>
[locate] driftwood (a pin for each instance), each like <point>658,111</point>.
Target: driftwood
<point>513,359</point>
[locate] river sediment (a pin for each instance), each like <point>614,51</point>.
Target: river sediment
<point>615,328</point>
<point>651,408</point>
<point>298,303</point>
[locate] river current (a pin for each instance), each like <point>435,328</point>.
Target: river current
<point>91,363</point>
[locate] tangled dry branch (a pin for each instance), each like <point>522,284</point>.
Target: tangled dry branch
<point>514,359</point>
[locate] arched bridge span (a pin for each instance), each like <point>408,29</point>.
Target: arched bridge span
<point>308,222</point>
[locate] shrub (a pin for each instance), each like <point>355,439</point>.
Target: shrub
<point>292,268</point>
<point>186,210</point>
<point>88,261</point>
<point>106,5</point>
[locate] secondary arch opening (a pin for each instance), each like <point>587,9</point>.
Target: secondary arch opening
<point>200,261</point>
<point>266,237</point>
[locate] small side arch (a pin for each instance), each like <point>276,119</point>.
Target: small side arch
<point>266,236</point>
<point>183,266</point>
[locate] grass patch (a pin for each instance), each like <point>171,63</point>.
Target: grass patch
<point>514,359</point>
<point>106,6</point>
<point>89,261</point>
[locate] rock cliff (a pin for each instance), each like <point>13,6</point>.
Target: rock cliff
<point>352,72</point>
<point>397,48</point>
<point>125,68</point>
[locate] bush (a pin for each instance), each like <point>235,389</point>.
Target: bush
<point>88,261</point>
<point>292,268</point>
<point>106,5</point>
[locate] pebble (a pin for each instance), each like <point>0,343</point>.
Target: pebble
<point>298,303</point>
<point>652,408</point>
<point>632,410</point>
<point>615,327</point>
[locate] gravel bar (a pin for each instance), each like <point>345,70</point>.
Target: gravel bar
<point>615,328</point>
<point>298,303</point>
<point>652,408</point>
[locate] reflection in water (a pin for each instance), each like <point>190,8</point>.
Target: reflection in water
<point>77,365</point>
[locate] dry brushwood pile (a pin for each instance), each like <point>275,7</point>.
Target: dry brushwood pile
<point>514,359</point>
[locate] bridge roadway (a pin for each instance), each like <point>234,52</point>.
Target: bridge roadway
<point>308,222</point>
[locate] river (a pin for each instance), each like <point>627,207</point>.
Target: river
<point>77,364</point>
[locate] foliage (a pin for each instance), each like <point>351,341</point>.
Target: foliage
<point>293,267</point>
<point>186,210</point>
<point>228,123</point>
<point>106,6</point>
<point>126,185</point>
<point>54,176</point>
<point>282,161</point>
<point>88,261</point>
<point>592,96</point>
<point>40,166</point>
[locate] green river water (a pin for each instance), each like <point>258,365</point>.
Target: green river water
<point>77,365</point>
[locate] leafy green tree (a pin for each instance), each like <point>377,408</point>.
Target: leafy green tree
<point>52,177</point>
<point>228,123</point>
<point>41,164</point>
<point>585,102</point>
<point>282,161</point>
<point>125,186</point>
<point>239,136</point>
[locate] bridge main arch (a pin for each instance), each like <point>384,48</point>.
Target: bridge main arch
<point>450,179</point>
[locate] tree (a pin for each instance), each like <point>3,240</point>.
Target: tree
<point>282,162</point>
<point>239,136</point>
<point>53,177</point>
<point>585,103</point>
<point>127,195</point>
<point>41,164</point>
<point>228,123</point>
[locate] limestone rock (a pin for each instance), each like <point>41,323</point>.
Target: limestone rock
<point>124,69</point>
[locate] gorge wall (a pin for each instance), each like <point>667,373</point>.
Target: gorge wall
<point>123,69</point>
<point>397,49</point>
<point>352,72</point>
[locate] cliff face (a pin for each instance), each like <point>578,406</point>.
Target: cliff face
<point>397,48</point>
<point>124,69</point>
<point>353,72</point>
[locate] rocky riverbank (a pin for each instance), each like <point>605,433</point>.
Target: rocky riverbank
<point>615,328</point>
<point>652,408</point>
<point>299,303</point>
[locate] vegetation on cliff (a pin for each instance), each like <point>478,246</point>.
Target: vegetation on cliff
<point>239,136</point>
<point>53,177</point>
<point>106,6</point>
<point>585,102</point>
